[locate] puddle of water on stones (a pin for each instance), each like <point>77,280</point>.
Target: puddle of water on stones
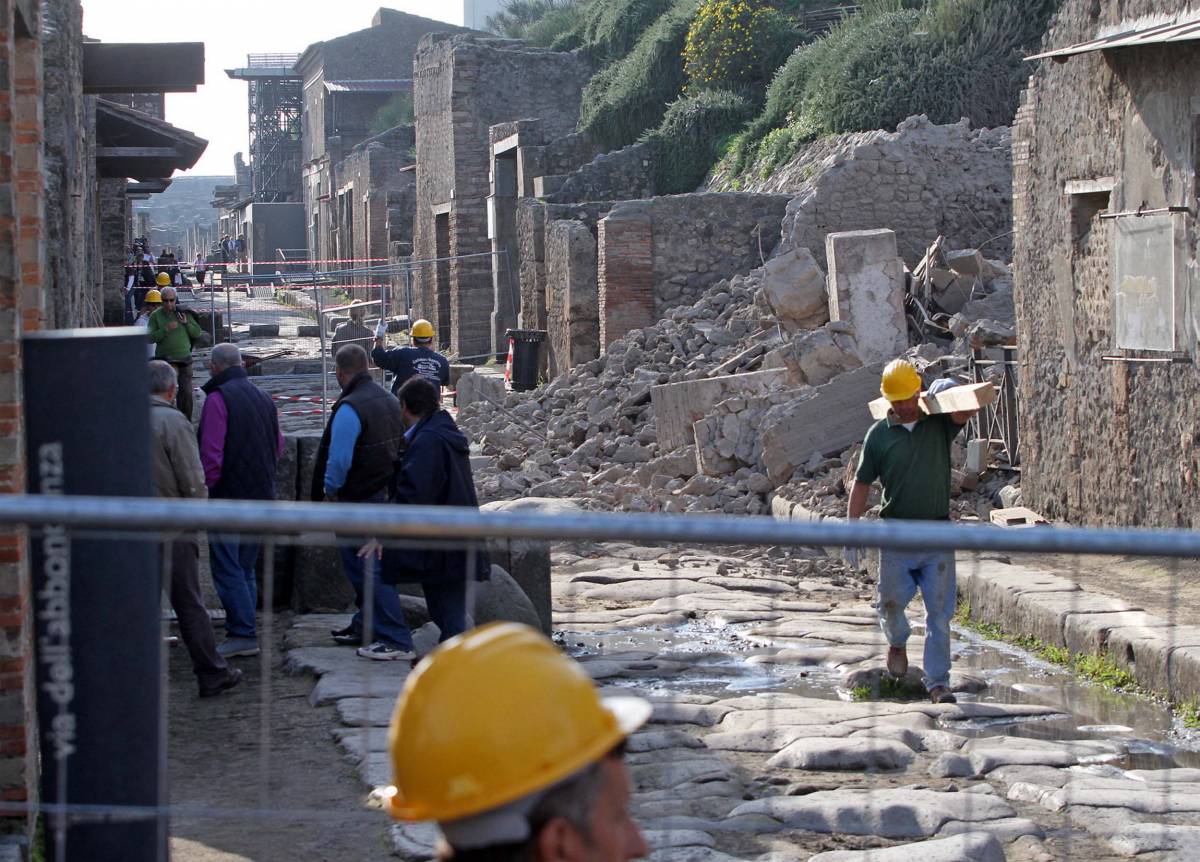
<point>717,663</point>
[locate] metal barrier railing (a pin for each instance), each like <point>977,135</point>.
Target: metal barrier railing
<point>660,639</point>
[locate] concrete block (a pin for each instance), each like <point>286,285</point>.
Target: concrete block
<point>457,370</point>
<point>828,419</point>
<point>264,330</point>
<point>866,290</point>
<point>677,406</point>
<point>308,330</point>
<point>977,455</point>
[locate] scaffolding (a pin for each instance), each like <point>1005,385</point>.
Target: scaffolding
<point>276,99</point>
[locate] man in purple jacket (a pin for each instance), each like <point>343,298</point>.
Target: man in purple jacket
<point>240,444</point>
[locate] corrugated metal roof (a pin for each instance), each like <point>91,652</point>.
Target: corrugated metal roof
<point>1133,36</point>
<point>376,85</point>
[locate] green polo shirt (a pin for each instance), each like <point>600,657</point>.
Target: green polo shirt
<point>913,466</point>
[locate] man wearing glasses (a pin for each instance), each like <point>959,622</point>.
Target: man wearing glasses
<point>173,332</point>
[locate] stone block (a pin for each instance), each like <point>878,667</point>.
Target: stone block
<point>308,330</point>
<point>475,387</point>
<point>866,290</point>
<point>677,406</point>
<point>264,330</point>
<point>828,418</point>
<point>572,295</point>
<point>794,287</point>
<point>317,580</point>
<point>529,562</point>
<point>1045,614</point>
<point>457,370</point>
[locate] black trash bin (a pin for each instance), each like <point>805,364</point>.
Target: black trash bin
<point>525,345</point>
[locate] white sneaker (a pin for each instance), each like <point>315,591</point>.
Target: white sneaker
<point>380,651</point>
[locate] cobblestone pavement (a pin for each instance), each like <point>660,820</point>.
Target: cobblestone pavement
<point>752,755</point>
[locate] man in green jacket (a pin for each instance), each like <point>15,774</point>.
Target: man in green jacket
<point>173,332</point>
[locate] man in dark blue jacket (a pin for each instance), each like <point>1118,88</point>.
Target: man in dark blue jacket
<point>240,444</point>
<point>434,470</point>
<point>420,360</point>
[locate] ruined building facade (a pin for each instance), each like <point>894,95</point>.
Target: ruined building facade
<point>463,85</point>
<point>1109,308</point>
<point>354,170</point>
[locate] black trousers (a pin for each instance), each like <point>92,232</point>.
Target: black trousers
<point>195,627</point>
<point>183,394</point>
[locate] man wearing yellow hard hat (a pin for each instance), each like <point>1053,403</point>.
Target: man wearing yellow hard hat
<point>503,741</point>
<point>419,360</point>
<point>909,453</point>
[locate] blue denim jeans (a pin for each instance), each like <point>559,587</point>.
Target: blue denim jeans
<point>387,617</point>
<point>232,559</point>
<point>901,574</point>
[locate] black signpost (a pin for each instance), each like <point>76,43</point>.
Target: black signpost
<point>97,606</point>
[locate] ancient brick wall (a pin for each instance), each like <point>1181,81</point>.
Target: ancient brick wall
<point>373,170</point>
<point>74,297</point>
<point>627,174</point>
<point>463,85</point>
<point>680,245</point>
<point>114,239</point>
<point>1104,442</point>
<point>22,286</point>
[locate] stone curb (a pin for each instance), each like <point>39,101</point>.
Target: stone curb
<point>1162,656</point>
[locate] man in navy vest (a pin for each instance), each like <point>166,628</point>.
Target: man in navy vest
<point>240,444</point>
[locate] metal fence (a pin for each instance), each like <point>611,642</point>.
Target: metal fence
<point>774,735</point>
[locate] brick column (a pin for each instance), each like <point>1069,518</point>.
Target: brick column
<point>626,273</point>
<point>22,263</point>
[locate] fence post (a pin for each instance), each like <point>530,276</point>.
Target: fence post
<point>324,352</point>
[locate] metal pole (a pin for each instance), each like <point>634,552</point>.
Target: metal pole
<point>408,293</point>
<point>212,309</point>
<point>228,309</point>
<point>324,353</point>
<point>453,524</point>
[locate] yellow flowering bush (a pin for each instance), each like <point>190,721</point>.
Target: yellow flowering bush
<point>730,41</point>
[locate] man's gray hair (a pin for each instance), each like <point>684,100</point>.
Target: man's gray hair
<point>225,355</point>
<point>162,377</point>
<point>517,825</point>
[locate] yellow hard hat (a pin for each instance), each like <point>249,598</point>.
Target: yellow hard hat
<point>900,381</point>
<point>153,295</point>
<point>494,715</point>
<point>163,280</point>
<point>422,329</point>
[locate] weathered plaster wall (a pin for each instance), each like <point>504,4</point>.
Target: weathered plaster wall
<point>1104,442</point>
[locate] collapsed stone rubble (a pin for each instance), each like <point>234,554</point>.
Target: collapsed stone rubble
<point>749,401</point>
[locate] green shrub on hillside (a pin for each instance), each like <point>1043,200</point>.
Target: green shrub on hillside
<point>737,44</point>
<point>946,58</point>
<point>693,135</point>
<point>547,30</point>
<point>607,30</point>
<point>631,95</point>
<point>518,17</point>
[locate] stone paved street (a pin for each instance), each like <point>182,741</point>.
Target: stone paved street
<point>756,751</point>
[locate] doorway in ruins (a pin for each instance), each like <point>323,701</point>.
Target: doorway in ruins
<point>442,282</point>
<point>502,231</point>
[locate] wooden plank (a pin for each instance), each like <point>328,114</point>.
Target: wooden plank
<point>957,400</point>
<point>1018,516</point>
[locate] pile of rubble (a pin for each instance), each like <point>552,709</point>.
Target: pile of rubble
<point>750,401</point>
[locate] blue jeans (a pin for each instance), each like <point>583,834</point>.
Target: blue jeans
<point>901,574</point>
<point>387,617</point>
<point>232,558</point>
